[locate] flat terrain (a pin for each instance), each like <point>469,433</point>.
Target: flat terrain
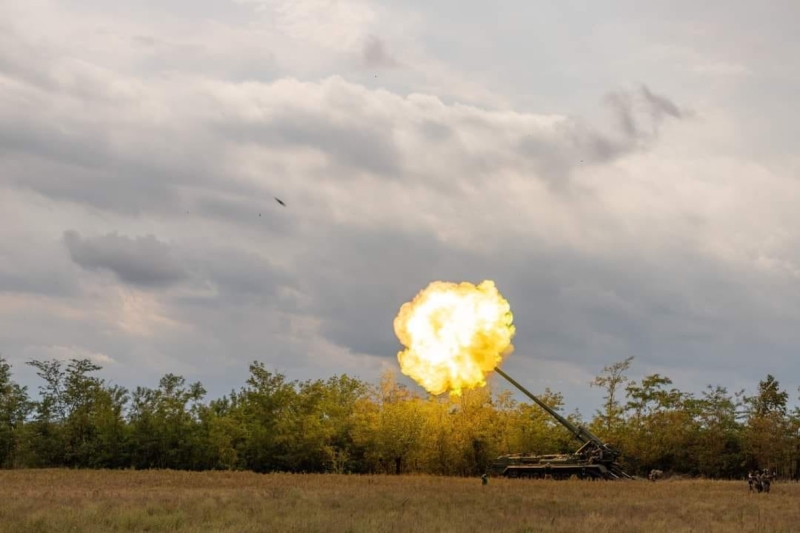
<point>95,501</point>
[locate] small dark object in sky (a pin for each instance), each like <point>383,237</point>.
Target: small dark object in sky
<point>259,214</point>
<point>279,201</point>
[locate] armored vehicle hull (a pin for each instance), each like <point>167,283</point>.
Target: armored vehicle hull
<point>549,467</point>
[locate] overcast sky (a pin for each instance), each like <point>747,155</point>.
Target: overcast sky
<point>626,172</point>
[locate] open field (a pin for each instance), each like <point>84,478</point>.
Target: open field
<point>95,501</point>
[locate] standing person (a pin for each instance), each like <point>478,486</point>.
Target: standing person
<point>766,480</point>
<point>754,481</point>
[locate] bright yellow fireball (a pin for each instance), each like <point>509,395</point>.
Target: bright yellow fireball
<point>454,334</point>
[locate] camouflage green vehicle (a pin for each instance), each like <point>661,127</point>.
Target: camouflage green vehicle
<point>593,460</point>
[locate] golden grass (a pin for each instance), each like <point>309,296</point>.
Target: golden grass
<point>105,501</point>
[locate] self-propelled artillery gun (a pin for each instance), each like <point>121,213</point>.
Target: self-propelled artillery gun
<point>593,460</point>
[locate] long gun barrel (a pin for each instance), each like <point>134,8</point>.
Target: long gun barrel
<point>580,433</point>
<point>592,445</point>
<point>589,439</point>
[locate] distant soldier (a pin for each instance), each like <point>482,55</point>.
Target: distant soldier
<point>754,482</point>
<point>766,480</point>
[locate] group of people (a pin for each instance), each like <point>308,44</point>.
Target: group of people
<point>759,481</point>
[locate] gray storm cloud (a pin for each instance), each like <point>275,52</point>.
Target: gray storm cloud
<point>162,169</point>
<point>141,261</point>
<point>638,115</point>
<point>376,55</point>
<point>632,109</point>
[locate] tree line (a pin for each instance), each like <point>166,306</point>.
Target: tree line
<point>345,425</point>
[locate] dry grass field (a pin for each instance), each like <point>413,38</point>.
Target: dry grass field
<point>105,501</point>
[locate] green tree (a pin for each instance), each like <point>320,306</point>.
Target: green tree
<point>265,411</point>
<point>660,427</point>
<point>390,427</point>
<point>78,398</point>
<point>472,422</point>
<point>609,419</point>
<point>767,436</point>
<point>166,431</point>
<point>342,394</point>
<point>15,407</point>
<point>770,399</point>
<point>718,446</point>
<point>45,437</point>
<point>111,430</point>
